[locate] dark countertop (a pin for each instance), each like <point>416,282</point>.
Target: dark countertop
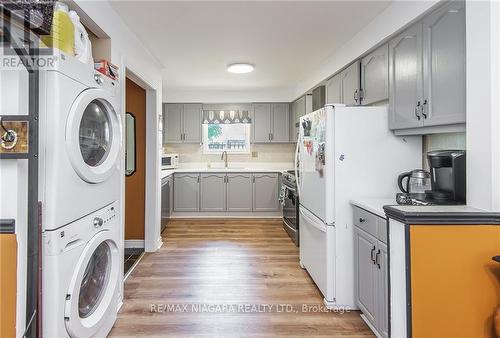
<point>441,214</point>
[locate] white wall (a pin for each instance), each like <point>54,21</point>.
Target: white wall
<point>216,96</point>
<point>393,18</point>
<point>483,104</point>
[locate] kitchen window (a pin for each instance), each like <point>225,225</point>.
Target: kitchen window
<point>233,138</point>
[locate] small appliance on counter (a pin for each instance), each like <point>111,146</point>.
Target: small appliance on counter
<point>443,185</point>
<point>290,202</point>
<point>169,161</point>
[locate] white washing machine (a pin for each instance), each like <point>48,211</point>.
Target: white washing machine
<point>80,142</point>
<point>81,276</point>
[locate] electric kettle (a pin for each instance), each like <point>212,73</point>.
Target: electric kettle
<point>417,181</point>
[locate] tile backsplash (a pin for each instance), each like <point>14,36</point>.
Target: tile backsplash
<point>265,153</point>
<point>441,141</point>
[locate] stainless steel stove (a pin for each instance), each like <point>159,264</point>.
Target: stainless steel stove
<point>290,205</point>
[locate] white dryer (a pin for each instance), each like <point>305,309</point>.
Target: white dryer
<point>80,142</point>
<point>81,276</point>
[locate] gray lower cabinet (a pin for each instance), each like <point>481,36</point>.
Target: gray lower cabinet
<point>182,122</point>
<point>370,269</point>
<point>265,192</point>
<point>381,259</point>
<point>366,273</point>
<point>186,192</point>
<point>239,192</point>
<point>213,192</point>
<point>375,76</point>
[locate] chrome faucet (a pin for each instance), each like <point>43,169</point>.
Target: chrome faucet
<point>224,158</point>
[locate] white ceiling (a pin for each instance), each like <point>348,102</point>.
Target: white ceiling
<point>285,40</point>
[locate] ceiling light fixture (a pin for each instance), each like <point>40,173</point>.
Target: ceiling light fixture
<point>240,68</point>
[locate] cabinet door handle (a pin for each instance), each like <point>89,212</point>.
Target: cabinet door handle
<point>362,220</point>
<point>371,254</point>
<point>356,95</point>
<point>417,108</point>
<point>253,179</point>
<point>376,258</point>
<point>424,105</point>
<point>198,179</point>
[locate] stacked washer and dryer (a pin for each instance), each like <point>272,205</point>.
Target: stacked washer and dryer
<point>81,138</point>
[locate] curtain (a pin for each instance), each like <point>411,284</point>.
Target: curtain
<point>226,116</point>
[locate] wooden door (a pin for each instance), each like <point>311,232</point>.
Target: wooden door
<point>135,103</point>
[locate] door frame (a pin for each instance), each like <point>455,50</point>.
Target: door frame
<point>152,214</point>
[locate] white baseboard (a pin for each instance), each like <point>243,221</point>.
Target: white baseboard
<point>134,243</point>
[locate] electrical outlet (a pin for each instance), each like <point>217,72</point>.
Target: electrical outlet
<point>255,154</point>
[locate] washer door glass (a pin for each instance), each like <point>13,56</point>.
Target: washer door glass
<point>95,279</point>
<point>95,133</point>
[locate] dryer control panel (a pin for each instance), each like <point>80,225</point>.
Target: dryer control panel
<point>105,216</point>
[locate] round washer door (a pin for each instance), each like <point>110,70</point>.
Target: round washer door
<point>93,136</point>
<point>93,286</point>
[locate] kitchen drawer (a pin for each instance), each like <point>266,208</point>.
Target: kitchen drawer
<point>382,230</point>
<point>366,221</point>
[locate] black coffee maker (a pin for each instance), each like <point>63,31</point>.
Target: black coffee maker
<point>447,168</point>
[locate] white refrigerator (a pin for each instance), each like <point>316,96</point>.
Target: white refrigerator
<point>344,153</point>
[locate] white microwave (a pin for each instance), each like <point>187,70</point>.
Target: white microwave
<point>169,161</point>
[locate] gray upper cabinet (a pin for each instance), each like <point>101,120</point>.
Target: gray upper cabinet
<point>293,129</point>
<point>298,110</point>
<point>350,78</point>
<point>280,132</point>
<point>366,273</point>
<point>172,122</point>
<point>192,123</point>
<point>265,192</point>
<point>239,192</point>
<point>261,123</point>
<point>186,192</point>
<point>182,123</point>
<point>427,72</point>
<point>318,98</point>
<point>270,123</point>
<point>333,89</point>
<point>213,192</point>
<point>444,65</point>
<point>405,78</point>
<point>375,76</point>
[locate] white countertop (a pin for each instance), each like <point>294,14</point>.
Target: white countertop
<point>276,167</point>
<point>438,208</point>
<point>374,205</point>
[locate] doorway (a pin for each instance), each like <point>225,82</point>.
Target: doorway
<point>135,173</point>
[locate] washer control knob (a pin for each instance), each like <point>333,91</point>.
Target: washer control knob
<point>98,79</point>
<point>98,222</point>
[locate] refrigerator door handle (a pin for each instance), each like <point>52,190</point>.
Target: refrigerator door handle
<point>313,222</point>
<point>296,164</point>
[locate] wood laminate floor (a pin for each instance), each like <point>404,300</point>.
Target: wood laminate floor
<point>227,278</point>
